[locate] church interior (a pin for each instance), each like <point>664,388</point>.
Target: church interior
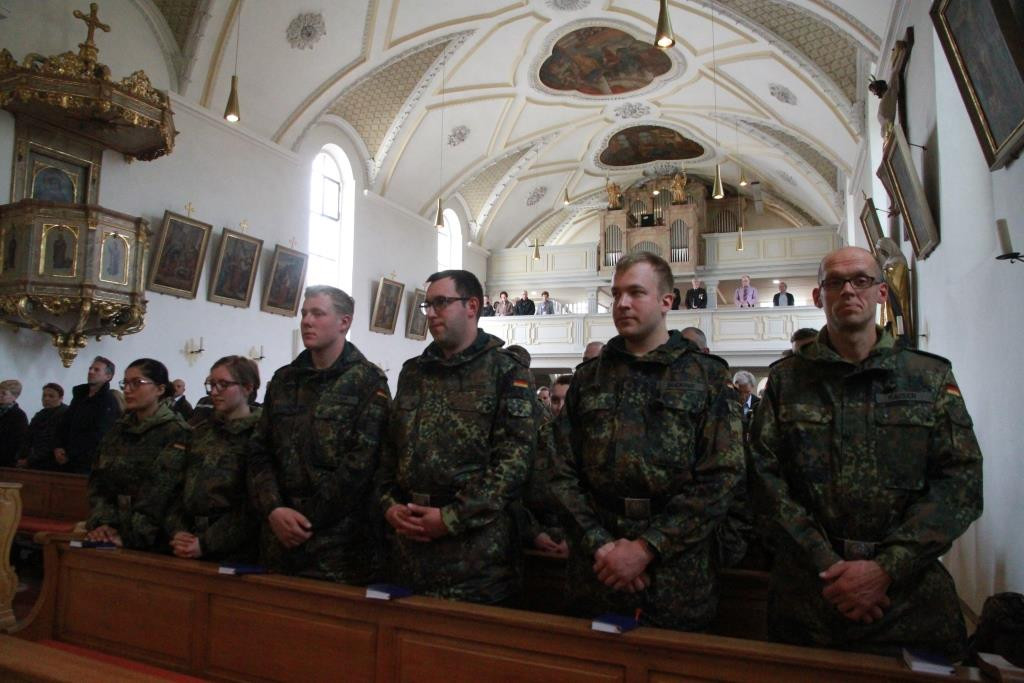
<point>533,143</point>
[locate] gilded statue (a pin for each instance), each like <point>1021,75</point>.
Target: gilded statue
<point>898,312</point>
<point>679,188</point>
<point>614,195</point>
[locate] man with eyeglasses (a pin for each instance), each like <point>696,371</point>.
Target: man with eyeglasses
<point>93,411</point>
<point>651,460</point>
<point>868,468</point>
<point>316,448</point>
<point>461,439</point>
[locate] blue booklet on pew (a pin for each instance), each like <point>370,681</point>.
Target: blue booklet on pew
<point>387,591</point>
<point>98,545</point>
<point>236,569</point>
<point>614,623</point>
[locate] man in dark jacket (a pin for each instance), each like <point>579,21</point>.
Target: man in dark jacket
<point>37,448</point>
<point>92,412</point>
<point>525,305</point>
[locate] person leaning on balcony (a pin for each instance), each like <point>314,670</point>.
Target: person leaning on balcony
<point>503,306</point>
<point>746,294</point>
<point>546,305</point>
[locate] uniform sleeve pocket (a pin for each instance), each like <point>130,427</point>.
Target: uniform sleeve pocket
<point>520,407</point>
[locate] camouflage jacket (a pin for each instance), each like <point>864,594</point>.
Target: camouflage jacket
<point>136,476</point>
<point>214,504</point>
<point>463,432</point>
<point>659,427</point>
<point>880,452</point>
<point>315,449</point>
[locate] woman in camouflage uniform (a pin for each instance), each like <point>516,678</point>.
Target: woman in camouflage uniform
<point>213,518</point>
<point>138,463</point>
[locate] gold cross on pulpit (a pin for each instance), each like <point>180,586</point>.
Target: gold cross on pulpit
<point>92,21</point>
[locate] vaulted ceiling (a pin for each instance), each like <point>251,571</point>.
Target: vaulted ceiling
<point>507,105</point>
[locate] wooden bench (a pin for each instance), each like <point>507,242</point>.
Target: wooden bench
<point>51,501</point>
<point>184,615</point>
<point>24,660</point>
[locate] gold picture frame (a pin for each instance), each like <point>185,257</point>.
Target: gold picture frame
<point>416,322</point>
<point>115,257</point>
<point>872,226</point>
<point>234,269</point>
<point>386,305</point>
<point>56,257</point>
<point>899,175</point>
<point>285,283</point>
<point>179,256</point>
<point>53,165</point>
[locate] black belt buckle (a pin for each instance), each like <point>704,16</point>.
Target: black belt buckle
<point>421,499</point>
<point>636,508</point>
<point>124,501</point>
<point>858,550</point>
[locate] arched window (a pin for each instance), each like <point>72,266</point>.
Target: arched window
<point>330,220</point>
<point>449,242</point>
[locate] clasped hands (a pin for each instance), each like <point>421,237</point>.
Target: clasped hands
<point>857,588</point>
<point>184,544</point>
<point>621,565</point>
<point>105,534</point>
<point>416,522</point>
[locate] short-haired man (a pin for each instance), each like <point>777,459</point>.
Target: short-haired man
<point>460,443</point>
<point>867,463</point>
<point>746,384</point>
<point>181,405</point>
<point>697,336</point>
<point>592,350</point>
<point>696,295</point>
<point>93,411</point>
<point>745,295</point>
<point>316,448</point>
<point>782,297</point>
<point>546,305</point>
<point>525,305</point>
<point>654,452</point>
<point>544,396</point>
<point>802,337</point>
<point>558,391</point>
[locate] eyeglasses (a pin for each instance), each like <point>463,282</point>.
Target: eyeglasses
<point>440,303</point>
<point>835,284</point>
<point>218,384</point>
<point>134,384</point>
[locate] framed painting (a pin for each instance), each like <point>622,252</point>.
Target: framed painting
<point>416,323</point>
<point>386,305</point>
<point>234,269</point>
<point>54,166</point>
<point>901,180</point>
<point>115,254</point>
<point>179,256</point>
<point>984,43</point>
<point>872,226</point>
<point>284,286</point>
<point>58,256</point>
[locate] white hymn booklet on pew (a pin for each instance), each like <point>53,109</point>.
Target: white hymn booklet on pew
<point>925,662</point>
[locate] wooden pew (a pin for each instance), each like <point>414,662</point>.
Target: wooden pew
<point>23,660</point>
<point>52,501</point>
<point>184,615</point>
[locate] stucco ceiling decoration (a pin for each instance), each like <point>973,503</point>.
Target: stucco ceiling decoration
<point>591,59</point>
<point>378,104</point>
<point>551,229</point>
<point>178,26</point>
<point>827,53</point>
<point>179,15</point>
<point>814,158</point>
<point>567,5</point>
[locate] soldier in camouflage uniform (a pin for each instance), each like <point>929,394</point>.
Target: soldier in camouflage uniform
<point>868,467</point>
<point>315,449</point>
<point>138,465</point>
<point>459,448</point>
<point>213,518</point>
<point>655,451</point>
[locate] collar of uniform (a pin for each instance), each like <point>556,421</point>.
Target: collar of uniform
<point>665,354</point>
<point>239,425</point>
<point>483,343</point>
<point>881,355</point>
<point>349,354</point>
<point>163,414</point>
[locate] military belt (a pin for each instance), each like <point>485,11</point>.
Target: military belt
<point>632,508</point>
<point>851,550</point>
<point>431,500</point>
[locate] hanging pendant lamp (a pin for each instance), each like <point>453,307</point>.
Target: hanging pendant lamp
<point>536,250</point>
<point>717,191</point>
<point>439,216</point>
<point>739,239</point>
<point>231,111</point>
<point>663,38</point>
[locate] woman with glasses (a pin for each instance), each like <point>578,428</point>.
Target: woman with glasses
<point>139,462</point>
<point>213,519</point>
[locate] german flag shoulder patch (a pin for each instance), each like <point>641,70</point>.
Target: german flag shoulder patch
<point>953,390</point>
<point>520,384</point>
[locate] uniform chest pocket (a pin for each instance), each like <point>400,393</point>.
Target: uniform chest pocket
<point>672,424</point>
<point>332,423</point>
<point>902,433</point>
<point>597,426</point>
<point>808,431</point>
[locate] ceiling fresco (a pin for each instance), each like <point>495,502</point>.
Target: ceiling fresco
<point>643,144</point>
<point>602,61</point>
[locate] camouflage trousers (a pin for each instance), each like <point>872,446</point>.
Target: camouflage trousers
<point>925,613</point>
<point>481,565</point>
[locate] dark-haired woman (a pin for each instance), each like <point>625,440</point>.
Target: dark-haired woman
<point>213,518</point>
<point>139,462</point>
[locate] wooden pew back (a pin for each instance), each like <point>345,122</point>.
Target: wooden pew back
<point>183,615</point>
<point>51,495</point>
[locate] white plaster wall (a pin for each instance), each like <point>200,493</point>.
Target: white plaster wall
<point>952,281</point>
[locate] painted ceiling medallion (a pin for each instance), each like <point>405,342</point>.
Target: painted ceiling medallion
<point>644,144</point>
<point>306,30</point>
<point>782,93</point>
<point>567,5</point>
<point>632,110</point>
<point>536,194</point>
<point>602,61</point>
<point>458,136</point>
